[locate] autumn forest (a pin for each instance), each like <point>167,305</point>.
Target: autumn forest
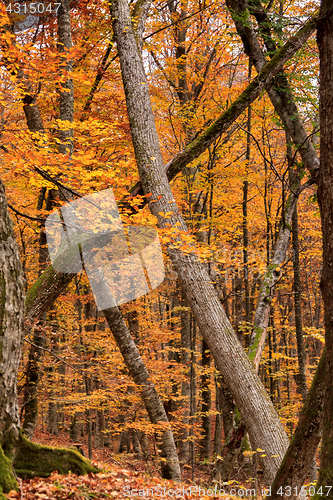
<point>211,124</point>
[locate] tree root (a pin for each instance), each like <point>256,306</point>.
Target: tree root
<point>32,460</point>
<point>35,460</point>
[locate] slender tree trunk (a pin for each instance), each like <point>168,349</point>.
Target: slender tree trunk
<point>218,418</point>
<point>206,404</point>
<point>262,422</point>
<point>66,92</point>
<point>185,359</point>
<point>298,310</point>
<point>193,392</point>
<point>153,404</point>
<point>245,218</point>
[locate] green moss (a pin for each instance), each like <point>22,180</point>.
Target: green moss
<point>7,478</point>
<point>252,351</point>
<point>36,460</point>
<point>47,275</point>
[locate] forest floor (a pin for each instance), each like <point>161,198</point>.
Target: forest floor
<point>122,477</point>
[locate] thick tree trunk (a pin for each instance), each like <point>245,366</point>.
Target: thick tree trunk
<point>262,422</point>
<point>299,457</point>
<point>14,448</point>
<point>11,335</point>
<point>325,199</point>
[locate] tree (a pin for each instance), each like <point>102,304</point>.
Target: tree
<point>15,449</point>
<point>325,199</point>
<point>50,284</point>
<point>266,431</point>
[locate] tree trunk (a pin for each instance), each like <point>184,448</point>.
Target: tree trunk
<point>325,199</point>
<point>206,403</point>
<point>11,335</point>
<point>298,459</point>
<point>155,409</point>
<point>185,359</point>
<point>262,422</point>
<point>65,89</point>
<point>14,447</point>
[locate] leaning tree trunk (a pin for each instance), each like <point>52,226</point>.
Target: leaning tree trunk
<point>260,417</point>
<point>325,199</point>
<point>153,404</point>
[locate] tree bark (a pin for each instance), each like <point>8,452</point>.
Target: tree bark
<point>261,420</point>
<point>206,404</point>
<point>298,459</point>
<point>66,91</point>
<point>11,334</point>
<point>14,448</point>
<point>325,199</point>
<point>155,409</point>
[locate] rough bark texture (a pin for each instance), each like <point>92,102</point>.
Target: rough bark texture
<point>155,409</point>
<point>11,321</point>
<point>325,199</point>
<point>48,287</point>
<point>15,449</point>
<point>11,328</point>
<point>261,420</point>
<point>298,459</point>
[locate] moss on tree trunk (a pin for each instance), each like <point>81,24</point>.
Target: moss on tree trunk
<point>35,460</point>
<point>32,460</point>
<point>7,477</point>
